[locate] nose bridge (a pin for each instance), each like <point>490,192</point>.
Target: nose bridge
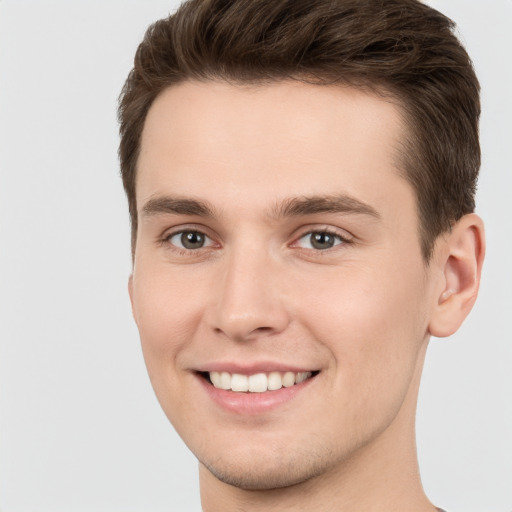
<point>250,301</point>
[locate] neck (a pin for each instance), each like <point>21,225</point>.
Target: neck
<point>380,476</point>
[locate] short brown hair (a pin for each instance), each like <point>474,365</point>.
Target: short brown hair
<point>402,48</point>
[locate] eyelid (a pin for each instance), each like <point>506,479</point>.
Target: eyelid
<point>208,241</point>
<point>190,228</point>
<point>342,235</point>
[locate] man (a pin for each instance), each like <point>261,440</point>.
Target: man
<point>301,179</point>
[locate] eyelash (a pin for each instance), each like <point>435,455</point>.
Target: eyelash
<point>342,240</point>
<point>166,240</point>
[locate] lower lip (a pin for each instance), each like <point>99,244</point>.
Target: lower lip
<point>253,403</point>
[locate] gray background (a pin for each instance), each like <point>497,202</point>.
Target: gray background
<point>80,429</point>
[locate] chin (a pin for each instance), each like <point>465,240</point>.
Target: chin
<point>253,479</point>
<point>263,471</point>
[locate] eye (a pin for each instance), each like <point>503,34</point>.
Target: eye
<point>320,240</point>
<point>190,240</point>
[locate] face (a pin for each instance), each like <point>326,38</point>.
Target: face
<point>278,284</point>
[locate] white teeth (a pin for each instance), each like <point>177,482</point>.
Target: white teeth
<point>274,381</point>
<point>215,378</point>
<point>257,383</point>
<point>301,377</point>
<point>288,379</point>
<point>225,380</point>
<point>239,382</point>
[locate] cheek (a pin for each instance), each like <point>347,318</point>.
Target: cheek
<point>373,323</point>
<point>167,311</point>
<point>362,299</point>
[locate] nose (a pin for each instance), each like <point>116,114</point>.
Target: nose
<point>250,300</point>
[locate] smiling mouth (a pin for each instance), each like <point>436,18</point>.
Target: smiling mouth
<point>258,382</point>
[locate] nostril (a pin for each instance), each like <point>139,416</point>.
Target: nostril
<point>263,329</point>
<point>240,334</point>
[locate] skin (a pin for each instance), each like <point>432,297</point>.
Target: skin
<point>360,312</point>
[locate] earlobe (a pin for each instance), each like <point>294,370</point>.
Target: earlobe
<point>462,259</point>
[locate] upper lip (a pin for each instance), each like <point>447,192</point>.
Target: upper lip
<point>252,368</point>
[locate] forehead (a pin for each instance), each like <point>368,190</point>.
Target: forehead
<point>257,141</point>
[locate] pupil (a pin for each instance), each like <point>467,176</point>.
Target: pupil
<point>322,240</point>
<point>192,240</point>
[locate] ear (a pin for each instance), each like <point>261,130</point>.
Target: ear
<point>130,293</point>
<point>460,259</point>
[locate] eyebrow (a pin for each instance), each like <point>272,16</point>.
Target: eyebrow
<point>177,206</point>
<point>310,205</point>
<point>292,207</point>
